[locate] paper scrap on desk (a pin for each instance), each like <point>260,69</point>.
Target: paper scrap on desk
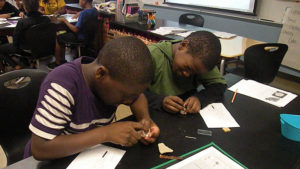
<point>224,35</point>
<point>168,30</point>
<point>92,158</point>
<point>263,92</point>
<point>216,115</point>
<point>164,149</point>
<point>209,158</point>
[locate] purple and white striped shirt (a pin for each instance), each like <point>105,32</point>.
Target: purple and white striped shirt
<point>66,105</point>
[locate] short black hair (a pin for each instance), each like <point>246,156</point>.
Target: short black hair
<point>206,46</point>
<point>128,60</point>
<point>31,5</point>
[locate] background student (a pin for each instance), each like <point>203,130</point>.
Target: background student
<point>180,67</point>
<point>78,100</point>
<point>33,18</point>
<point>7,10</point>
<point>20,7</point>
<point>56,7</point>
<point>76,33</point>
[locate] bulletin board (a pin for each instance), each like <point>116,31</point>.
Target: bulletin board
<point>290,35</point>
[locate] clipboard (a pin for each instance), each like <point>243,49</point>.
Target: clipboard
<point>194,152</point>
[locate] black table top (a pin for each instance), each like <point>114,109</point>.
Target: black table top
<point>257,143</point>
<point>142,28</point>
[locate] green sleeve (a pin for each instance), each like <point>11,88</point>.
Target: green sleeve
<point>212,77</point>
<point>157,58</point>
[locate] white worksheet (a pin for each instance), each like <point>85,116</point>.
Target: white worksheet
<point>263,92</point>
<point>216,115</point>
<point>210,158</point>
<point>98,157</point>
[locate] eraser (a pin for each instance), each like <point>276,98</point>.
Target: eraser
<point>226,129</point>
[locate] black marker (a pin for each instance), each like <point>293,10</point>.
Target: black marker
<point>104,154</point>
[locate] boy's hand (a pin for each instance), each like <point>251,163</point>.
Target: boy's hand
<point>21,14</point>
<point>192,105</point>
<point>61,19</point>
<point>124,133</point>
<point>76,15</point>
<point>172,104</point>
<point>5,16</point>
<point>151,133</point>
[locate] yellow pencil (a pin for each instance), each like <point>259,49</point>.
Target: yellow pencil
<point>233,97</point>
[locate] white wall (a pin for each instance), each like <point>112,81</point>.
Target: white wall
<point>266,9</point>
<point>273,9</point>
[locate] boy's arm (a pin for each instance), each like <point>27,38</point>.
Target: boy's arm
<point>13,11</point>
<point>154,100</point>
<point>72,27</point>
<point>123,133</point>
<point>211,93</point>
<point>215,86</point>
<point>60,11</point>
<point>17,35</point>
<point>54,114</point>
<point>141,111</point>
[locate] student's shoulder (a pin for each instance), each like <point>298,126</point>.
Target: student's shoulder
<point>68,75</point>
<point>90,10</point>
<point>158,50</point>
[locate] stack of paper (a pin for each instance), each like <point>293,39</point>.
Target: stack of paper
<point>263,92</point>
<point>97,157</point>
<point>69,17</point>
<point>168,30</point>
<point>216,115</point>
<point>224,35</point>
<point>185,34</point>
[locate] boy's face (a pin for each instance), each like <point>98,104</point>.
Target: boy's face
<point>184,64</point>
<point>19,3</point>
<point>113,92</point>
<point>82,3</point>
<point>2,2</point>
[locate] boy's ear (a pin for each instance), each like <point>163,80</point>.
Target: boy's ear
<point>183,44</point>
<point>101,72</point>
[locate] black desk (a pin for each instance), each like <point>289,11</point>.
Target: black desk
<point>7,31</point>
<point>258,143</point>
<point>142,29</point>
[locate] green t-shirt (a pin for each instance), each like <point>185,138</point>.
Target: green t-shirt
<point>167,82</point>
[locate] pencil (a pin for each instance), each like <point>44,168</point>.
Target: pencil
<point>170,157</point>
<point>234,94</point>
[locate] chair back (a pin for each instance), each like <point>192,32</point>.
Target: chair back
<point>92,35</point>
<point>262,61</point>
<point>191,19</point>
<point>19,93</point>
<point>41,39</point>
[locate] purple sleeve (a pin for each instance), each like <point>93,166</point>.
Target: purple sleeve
<point>53,111</point>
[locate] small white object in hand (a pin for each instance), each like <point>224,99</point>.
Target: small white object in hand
<point>145,134</point>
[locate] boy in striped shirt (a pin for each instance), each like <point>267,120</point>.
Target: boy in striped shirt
<point>78,100</point>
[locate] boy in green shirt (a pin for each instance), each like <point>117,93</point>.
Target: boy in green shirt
<point>180,67</point>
